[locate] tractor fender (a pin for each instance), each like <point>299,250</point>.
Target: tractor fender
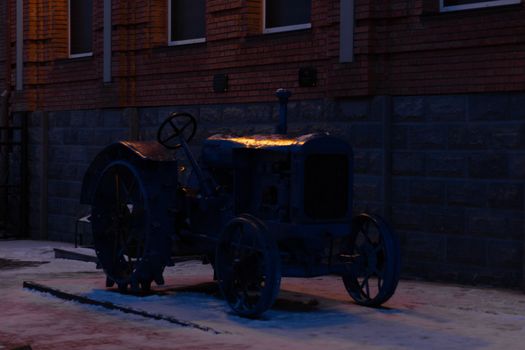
<point>141,154</point>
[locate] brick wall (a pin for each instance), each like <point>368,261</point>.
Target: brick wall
<point>456,52</point>
<point>402,48</point>
<point>456,81</point>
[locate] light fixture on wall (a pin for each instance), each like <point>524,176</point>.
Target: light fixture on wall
<point>307,77</point>
<point>220,83</point>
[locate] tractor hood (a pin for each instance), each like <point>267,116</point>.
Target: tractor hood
<point>218,149</point>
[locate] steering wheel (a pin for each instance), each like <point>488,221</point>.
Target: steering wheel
<point>173,127</point>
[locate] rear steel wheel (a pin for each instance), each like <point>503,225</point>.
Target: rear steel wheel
<point>121,222</point>
<point>373,275</point>
<point>248,266</point>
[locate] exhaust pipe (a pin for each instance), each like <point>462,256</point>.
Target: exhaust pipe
<point>283,95</point>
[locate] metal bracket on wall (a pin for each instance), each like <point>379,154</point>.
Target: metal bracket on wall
<point>44,166</point>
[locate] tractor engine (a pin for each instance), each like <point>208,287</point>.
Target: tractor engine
<point>305,179</point>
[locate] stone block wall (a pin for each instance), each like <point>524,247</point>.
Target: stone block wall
<point>456,197</point>
<point>458,191</point>
<point>75,137</point>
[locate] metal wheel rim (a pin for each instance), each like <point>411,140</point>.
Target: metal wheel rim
<point>247,273</point>
<point>374,274</point>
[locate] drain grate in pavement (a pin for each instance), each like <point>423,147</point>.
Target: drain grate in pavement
<point>6,264</point>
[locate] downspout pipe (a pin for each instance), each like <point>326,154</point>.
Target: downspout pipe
<point>7,44</point>
<point>19,45</point>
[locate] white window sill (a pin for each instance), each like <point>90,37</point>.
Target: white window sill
<point>287,28</point>
<point>79,55</point>
<point>187,42</point>
<point>477,6</point>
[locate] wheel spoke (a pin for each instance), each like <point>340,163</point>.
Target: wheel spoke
<point>125,245</point>
<point>117,190</point>
<point>366,233</point>
<point>186,125</point>
<point>380,277</point>
<point>366,228</point>
<point>129,191</point>
<point>239,303</point>
<point>254,243</point>
<point>245,297</point>
<point>366,285</point>
<point>378,248</point>
<point>114,231</point>
<point>239,251</point>
<point>139,248</point>
<point>174,121</point>
<point>227,271</point>
<point>175,128</point>
<point>169,138</point>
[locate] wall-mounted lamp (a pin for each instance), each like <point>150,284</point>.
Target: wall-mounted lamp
<point>307,77</point>
<point>220,83</point>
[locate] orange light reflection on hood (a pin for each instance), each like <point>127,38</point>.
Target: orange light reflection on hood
<point>266,142</point>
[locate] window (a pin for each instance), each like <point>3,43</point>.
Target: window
<point>456,5</point>
<point>280,16</point>
<point>187,21</point>
<point>80,28</point>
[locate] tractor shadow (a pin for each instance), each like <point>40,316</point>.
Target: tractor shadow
<point>305,313</point>
<point>206,288</point>
<point>287,301</point>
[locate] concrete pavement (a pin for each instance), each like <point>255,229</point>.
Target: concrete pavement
<point>312,313</point>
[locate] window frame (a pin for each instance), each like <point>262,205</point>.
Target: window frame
<point>480,5</point>
<point>76,55</point>
<point>186,41</point>
<point>281,29</point>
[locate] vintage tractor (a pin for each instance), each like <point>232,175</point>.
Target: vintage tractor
<point>256,207</point>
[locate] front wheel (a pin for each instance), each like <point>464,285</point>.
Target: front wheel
<point>248,266</point>
<point>374,273</point>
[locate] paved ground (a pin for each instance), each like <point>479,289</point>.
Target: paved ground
<point>309,314</point>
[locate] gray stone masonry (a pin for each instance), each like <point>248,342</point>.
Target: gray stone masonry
<point>458,165</point>
<point>458,192</point>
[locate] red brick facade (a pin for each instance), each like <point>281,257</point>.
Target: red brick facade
<point>433,104</point>
<point>401,48</point>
